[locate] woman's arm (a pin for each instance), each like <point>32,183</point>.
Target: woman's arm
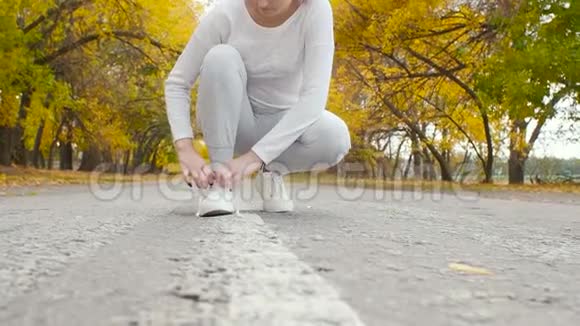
<point>317,71</point>
<point>178,85</point>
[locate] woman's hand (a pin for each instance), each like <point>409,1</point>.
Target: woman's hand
<point>222,175</point>
<point>193,166</point>
<point>243,166</point>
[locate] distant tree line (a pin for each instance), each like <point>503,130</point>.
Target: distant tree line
<point>430,89</point>
<point>433,87</point>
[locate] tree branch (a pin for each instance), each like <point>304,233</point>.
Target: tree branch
<point>356,10</point>
<point>94,37</point>
<point>544,118</point>
<point>449,75</point>
<point>53,12</point>
<point>475,98</point>
<point>459,127</point>
<point>436,33</point>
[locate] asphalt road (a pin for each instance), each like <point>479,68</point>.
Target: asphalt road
<point>139,256</point>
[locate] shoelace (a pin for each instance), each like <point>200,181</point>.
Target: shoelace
<point>278,184</point>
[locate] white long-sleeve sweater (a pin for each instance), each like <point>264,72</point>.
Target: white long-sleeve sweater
<point>289,68</point>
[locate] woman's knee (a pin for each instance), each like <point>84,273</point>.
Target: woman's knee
<point>343,144</point>
<point>221,59</point>
<point>334,138</point>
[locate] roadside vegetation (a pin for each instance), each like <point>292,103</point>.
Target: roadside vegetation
<point>16,177</point>
<point>445,90</point>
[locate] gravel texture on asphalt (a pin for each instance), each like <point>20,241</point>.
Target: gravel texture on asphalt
<point>342,258</point>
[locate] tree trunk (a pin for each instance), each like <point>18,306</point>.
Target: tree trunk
<point>21,155</point>
<point>126,162</point>
<point>91,159</point>
<point>37,141</point>
<point>488,167</point>
<point>53,145</point>
<point>66,151</point>
<point>428,168</point>
<point>50,161</point>
<point>153,162</point>
<point>397,159</point>
<point>42,162</point>
<point>516,167</point>
<point>138,159</point>
<point>385,167</point>
<point>416,152</point>
<point>461,173</point>
<point>518,154</point>
<point>407,167</point>
<point>6,145</point>
<point>66,154</point>
<point>107,158</point>
<point>138,156</point>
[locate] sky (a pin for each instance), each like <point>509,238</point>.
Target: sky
<point>558,144</point>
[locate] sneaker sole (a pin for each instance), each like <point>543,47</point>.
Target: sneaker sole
<point>216,213</point>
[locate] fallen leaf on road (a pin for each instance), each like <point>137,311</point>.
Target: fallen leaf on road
<point>458,267</point>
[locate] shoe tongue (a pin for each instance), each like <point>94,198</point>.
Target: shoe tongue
<point>278,178</point>
<point>216,190</point>
<point>278,185</point>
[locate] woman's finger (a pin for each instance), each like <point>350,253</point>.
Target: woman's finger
<point>219,178</point>
<point>236,179</point>
<point>209,174</point>
<point>195,179</point>
<point>228,182</point>
<point>202,180</point>
<point>187,178</point>
<point>206,170</point>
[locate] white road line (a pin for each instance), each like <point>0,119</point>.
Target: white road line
<point>263,282</point>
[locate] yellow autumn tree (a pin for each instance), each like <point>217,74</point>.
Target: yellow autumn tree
<point>92,83</point>
<point>415,61</point>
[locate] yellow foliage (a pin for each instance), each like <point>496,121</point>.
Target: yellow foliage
<point>412,64</point>
<point>9,103</point>
<point>100,86</point>
<point>201,148</point>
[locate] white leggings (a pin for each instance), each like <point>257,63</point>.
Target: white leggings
<point>232,125</point>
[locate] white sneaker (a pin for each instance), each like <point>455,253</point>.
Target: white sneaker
<point>274,195</point>
<point>215,202</point>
